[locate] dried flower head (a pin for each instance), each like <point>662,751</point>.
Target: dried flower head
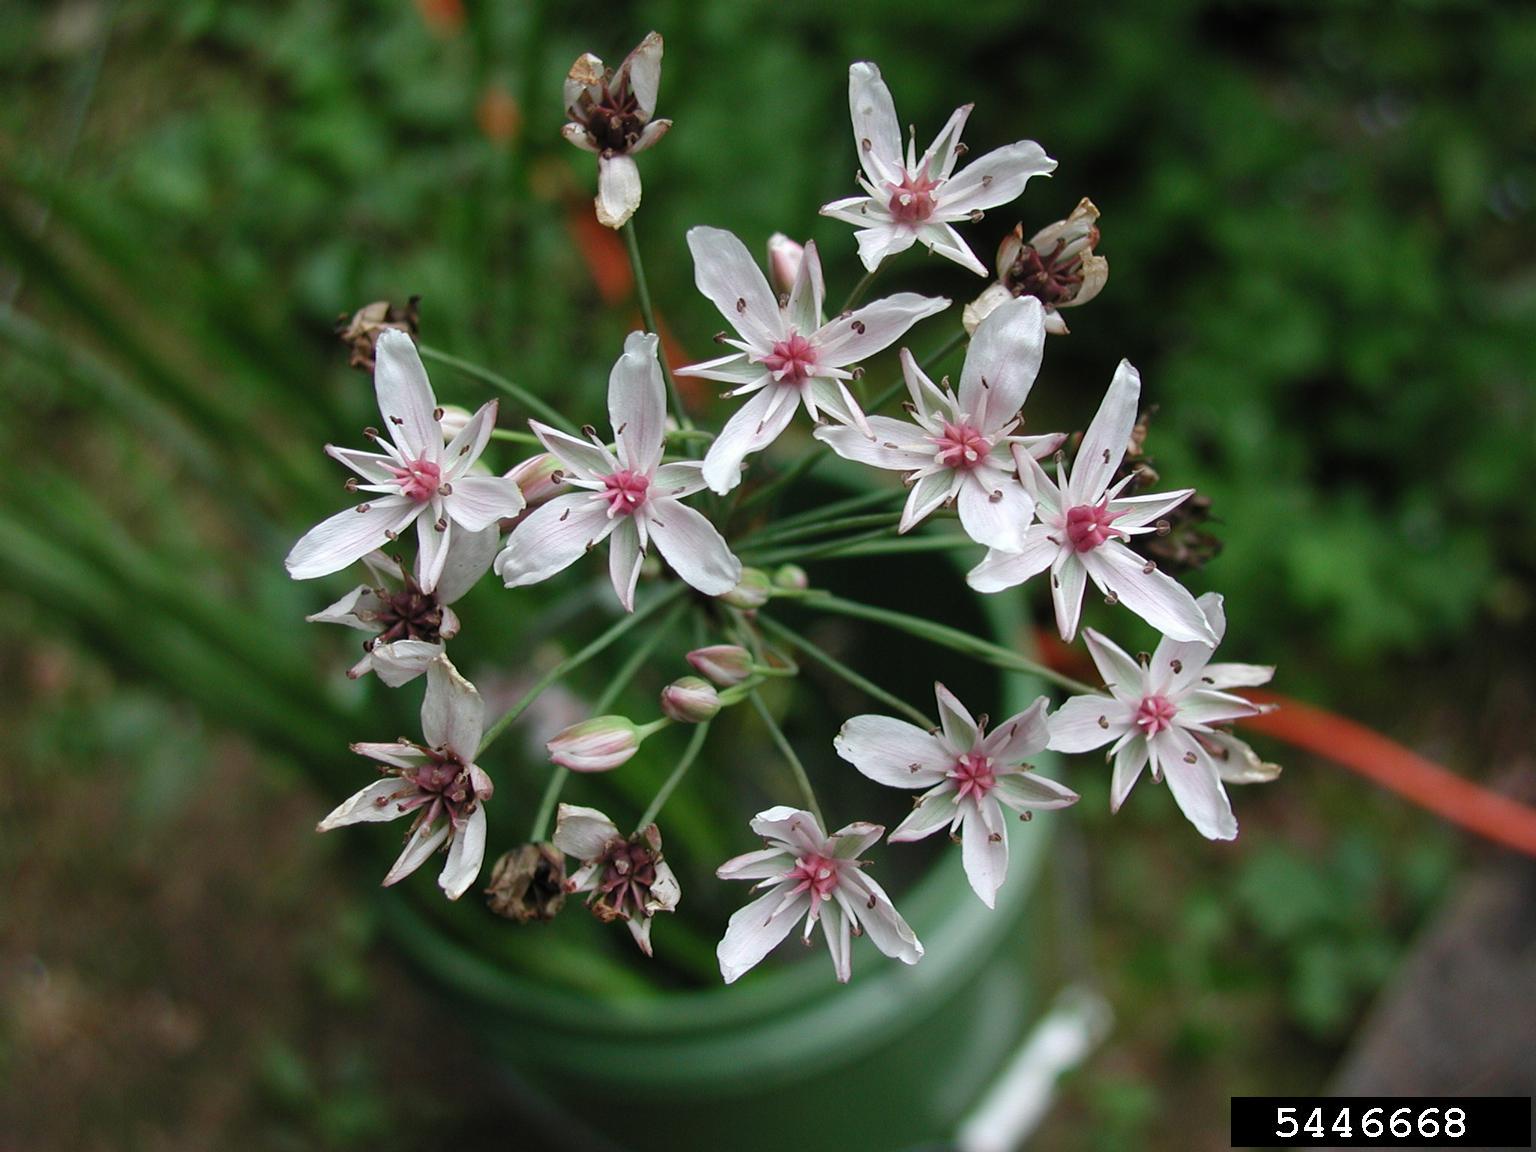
<point>610,111</point>
<point>1057,266</point>
<point>360,331</point>
<point>527,883</point>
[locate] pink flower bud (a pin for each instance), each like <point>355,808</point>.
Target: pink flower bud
<point>784,258</point>
<point>725,664</point>
<point>595,745</point>
<point>791,576</point>
<point>690,700</point>
<point>538,477</point>
<point>752,590</point>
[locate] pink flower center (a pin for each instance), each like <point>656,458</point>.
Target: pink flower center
<point>815,874</point>
<point>1154,714</point>
<point>625,491</point>
<point>792,359</point>
<point>973,776</point>
<point>962,446</point>
<point>419,480</point>
<point>1089,525</point>
<point>912,200</point>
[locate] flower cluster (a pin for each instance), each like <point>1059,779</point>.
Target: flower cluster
<point>675,523</point>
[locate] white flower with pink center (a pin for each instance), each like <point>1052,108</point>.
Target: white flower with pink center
<point>1162,712</point>
<point>417,478</point>
<point>810,875</point>
<point>785,356</point>
<point>1083,521</point>
<point>628,497</point>
<point>912,199</point>
<point>969,777</point>
<point>438,782</point>
<point>959,448</point>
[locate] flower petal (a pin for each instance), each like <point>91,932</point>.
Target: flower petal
<point>1139,511</point>
<point>1027,792</point>
<point>1069,579</point>
<point>764,864</point>
<point>837,927</point>
<point>1020,736</point>
<point>371,466</point>
<point>1129,762</point>
<point>850,841</point>
<point>405,396</point>
<point>933,810</point>
<point>371,805</point>
<point>618,188</point>
<point>580,458</point>
<point>756,424</point>
<point>349,536</point>
<point>960,729</point>
<point>1002,570</point>
<point>465,855</point>
<point>893,752</point>
<point>756,930</point>
<point>1155,596</point>
<point>732,369</point>
<point>881,238</point>
<point>995,509</point>
<point>452,715</point>
<point>1121,674</point>
<point>637,404</point>
<point>994,179</point>
<point>1196,785</point>
<point>1238,675</point>
<point>1002,362</point>
<point>928,494</point>
<point>552,538</point>
<point>942,240</point>
<point>643,67</point>
<point>882,923</point>
<point>344,611</point>
<point>423,842</point>
<point>470,555</point>
<point>693,547</point>
<point>876,326</point>
<point>808,292</point>
<point>468,444</point>
<point>434,537</point>
<point>1087,722</point>
<point>984,850</point>
<point>725,272</point>
<point>624,561</point>
<point>400,662</point>
<point>477,503</point>
<point>583,832</point>
<point>1108,436</point>
<point>792,826</point>
<point>939,160</point>
<point>876,131</point>
<point>887,446</point>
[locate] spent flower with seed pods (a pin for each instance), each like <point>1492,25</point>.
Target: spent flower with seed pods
<point>785,355</point>
<point>437,781</point>
<point>611,113</point>
<point>911,199</point>
<point>958,448</point>
<point>627,497</point>
<point>1057,266</point>
<point>807,873</point>
<point>625,877</point>
<point>1082,521</point>
<point>408,625</point>
<point>415,479</point>
<point>969,777</point>
<point>1161,711</point>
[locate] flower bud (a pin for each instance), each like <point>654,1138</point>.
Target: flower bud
<point>753,590</point>
<point>538,477</point>
<point>784,260</point>
<point>690,700</point>
<point>527,883</point>
<point>595,745</point>
<point>791,576</point>
<point>724,664</point>
<point>454,421</point>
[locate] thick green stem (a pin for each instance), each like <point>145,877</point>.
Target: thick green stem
<point>648,315</point>
<point>795,767</point>
<point>524,397</point>
<point>571,663</point>
<point>944,635</point>
<point>798,553</point>
<point>859,290</point>
<point>837,667</point>
<point>690,754</point>
<point>807,531</point>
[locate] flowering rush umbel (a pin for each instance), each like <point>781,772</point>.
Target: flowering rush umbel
<point>720,602</point>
